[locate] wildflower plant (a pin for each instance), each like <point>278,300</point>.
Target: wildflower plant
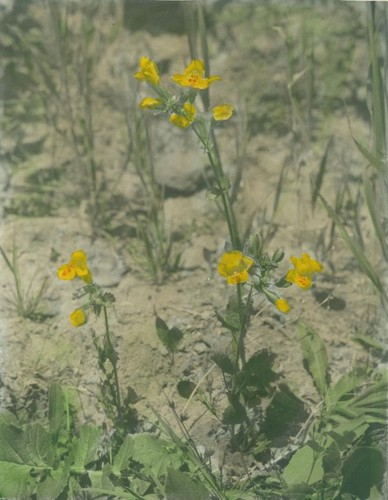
<point>95,300</point>
<point>246,266</point>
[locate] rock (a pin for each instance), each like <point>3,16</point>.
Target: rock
<point>194,256</point>
<point>180,165</point>
<point>108,268</point>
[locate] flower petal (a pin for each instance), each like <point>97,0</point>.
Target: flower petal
<point>66,272</point>
<point>222,112</point>
<point>150,102</point>
<point>283,306</point>
<point>78,317</point>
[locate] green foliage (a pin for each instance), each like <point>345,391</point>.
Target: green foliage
<point>304,467</point>
<point>223,362</point>
<point>179,486</point>
<point>363,469</point>
<point>185,388</point>
<point>363,262</point>
<point>58,461</point>
<point>283,410</point>
<point>314,356</point>
<point>25,301</point>
<point>170,337</point>
<point>342,456</point>
<point>256,377</point>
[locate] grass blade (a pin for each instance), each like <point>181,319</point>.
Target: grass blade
<point>380,232</point>
<point>359,255</point>
<point>317,183</point>
<point>368,155</point>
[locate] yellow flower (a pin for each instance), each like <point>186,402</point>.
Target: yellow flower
<point>234,267</point>
<point>148,71</point>
<point>76,267</point>
<point>304,268</point>
<point>299,280</point>
<point>223,112</point>
<point>193,76</point>
<point>150,102</point>
<point>78,317</point>
<point>66,272</point>
<point>306,265</point>
<point>185,119</point>
<point>283,306</point>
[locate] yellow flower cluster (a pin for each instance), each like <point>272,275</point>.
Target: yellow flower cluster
<point>193,76</point>
<point>77,267</point>
<point>234,266</point>
<point>186,118</point>
<point>148,71</point>
<point>304,268</point>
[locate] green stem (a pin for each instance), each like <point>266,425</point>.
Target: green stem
<point>239,344</point>
<point>113,360</point>
<point>215,163</point>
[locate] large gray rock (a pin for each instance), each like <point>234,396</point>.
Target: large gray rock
<point>180,164</point>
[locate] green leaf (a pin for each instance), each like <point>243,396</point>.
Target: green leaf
<point>15,481</point>
<point>231,318</point>
<point>304,467</point>
<point>317,183</point>
<point>373,402</point>
<point>257,375</point>
<point>346,386</point>
<point>368,342</point>
<point>13,446</point>
<point>234,414</point>
<point>347,431</point>
<point>223,361</point>
<point>363,469</point>
<point>100,479</point>
<point>53,485</point>
<point>38,443</point>
<point>213,193</point>
<point>57,409</point>
<point>155,454</point>
<point>185,388</point>
<point>372,159</point>
<point>86,446</point>
<point>282,412</point>
<point>120,461</point>
<point>376,216</point>
<point>314,356</point>
<point>170,338</point>
<point>175,337</point>
<point>331,460</point>
<point>180,486</point>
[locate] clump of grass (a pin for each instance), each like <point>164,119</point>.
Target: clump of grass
<point>153,249</point>
<point>25,300</point>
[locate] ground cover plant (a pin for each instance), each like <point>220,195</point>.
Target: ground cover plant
<point>194,249</point>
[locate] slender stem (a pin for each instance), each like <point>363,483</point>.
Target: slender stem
<point>214,158</point>
<point>242,318</point>
<point>113,361</point>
